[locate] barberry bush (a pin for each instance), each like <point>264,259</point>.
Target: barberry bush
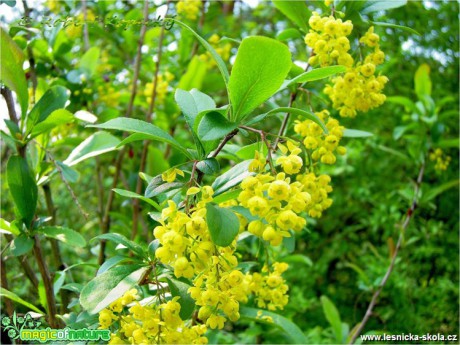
<point>222,172</point>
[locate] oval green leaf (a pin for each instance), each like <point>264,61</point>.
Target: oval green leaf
<point>356,133</point>
<point>65,235</point>
<point>260,67</point>
<point>223,225</point>
<point>333,316</point>
<point>11,71</point>
<point>110,286</point>
<point>120,239</point>
<point>187,303</point>
<point>148,131</point>
<point>214,126</point>
<point>23,187</point>
<point>294,334</point>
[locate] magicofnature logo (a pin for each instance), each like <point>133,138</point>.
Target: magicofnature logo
<point>26,328</point>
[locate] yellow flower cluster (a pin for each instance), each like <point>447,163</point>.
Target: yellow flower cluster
<point>442,161</point>
<point>323,145</point>
<point>162,88</point>
<point>108,95</point>
<point>328,39</point>
<point>223,50</point>
<point>218,287</point>
<point>279,202</point>
<point>189,8</point>
<point>270,288</point>
<point>359,89</point>
<point>149,324</point>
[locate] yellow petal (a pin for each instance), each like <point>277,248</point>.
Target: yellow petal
<point>193,190</point>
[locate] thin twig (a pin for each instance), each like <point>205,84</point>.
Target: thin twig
<point>47,282</point>
<point>227,138</point>
<point>263,137</point>
<point>136,204</point>
<point>85,25</point>
<point>409,214</point>
<point>32,72</point>
<point>200,26</point>
<point>4,284</point>
<point>137,65</point>
<point>59,263</point>
<point>286,117</point>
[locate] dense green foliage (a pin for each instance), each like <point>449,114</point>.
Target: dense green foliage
<point>80,125</point>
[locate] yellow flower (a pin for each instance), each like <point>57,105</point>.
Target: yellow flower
<point>189,8</point>
<point>215,321</point>
<point>170,175</point>
<point>106,318</point>
<point>291,164</point>
<point>258,205</point>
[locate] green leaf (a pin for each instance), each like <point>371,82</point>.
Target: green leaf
<point>10,3</point>
<point>54,98</point>
<point>288,34</point>
<point>68,173</point>
<point>260,68</point>
<point>11,72</point>
<point>434,192</point>
<point>59,280</point>
<point>315,74</point>
<point>56,118</point>
<point>298,258</point>
<point>120,239</point>
<point>66,235</point>
<point>21,245</point>
<point>244,212</point>
<point>248,151</point>
<point>333,317</point>
<point>214,126</point>
<point>95,145</point>
<point>187,303</point>
<point>390,25</point>
<point>422,81</point>
<point>111,262</point>
<point>227,196</point>
<point>130,194</point>
<point>110,286</point>
<point>220,63</point>
<point>381,5</point>
<point>449,143</point>
<point>296,11</point>
<point>404,101</point>
<point>74,287</point>
<point>148,131</point>
<point>9,228</point>
<point>294,334</point>
<point>208,146</point>
<point>223,225</point>
<point>23,187</point>
<point>89,61</point>
<point>209,166</point>
<point>356,133</point>
<point>232,177</point>
<point>15,298</point>
<point>158,186</point>
<point>192,103</point>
